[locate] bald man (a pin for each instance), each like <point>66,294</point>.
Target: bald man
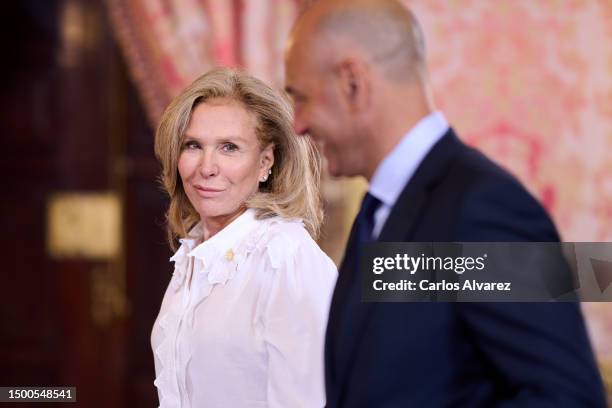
<point>356,72</point>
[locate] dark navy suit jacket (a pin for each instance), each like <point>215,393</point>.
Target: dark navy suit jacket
<point>392,355</point>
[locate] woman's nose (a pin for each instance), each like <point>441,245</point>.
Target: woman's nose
<point>208,165</point>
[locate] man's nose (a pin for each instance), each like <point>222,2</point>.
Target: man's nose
<point>300,126</point>
<point>208,165</point>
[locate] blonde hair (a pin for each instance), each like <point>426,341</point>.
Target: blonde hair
<point>291,191</point>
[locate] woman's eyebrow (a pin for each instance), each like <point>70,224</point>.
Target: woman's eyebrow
<point>226,138</point>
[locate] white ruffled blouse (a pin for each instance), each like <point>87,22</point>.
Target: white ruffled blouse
<point>243,320</point>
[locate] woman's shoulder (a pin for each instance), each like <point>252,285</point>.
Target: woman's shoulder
<point>288,233</point>
<point>295,264</point>
<point>287,239</point>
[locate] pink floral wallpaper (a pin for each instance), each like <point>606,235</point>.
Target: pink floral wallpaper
<point>528,82</point>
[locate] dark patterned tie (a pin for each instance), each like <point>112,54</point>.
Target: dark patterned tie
<point>365,218</point>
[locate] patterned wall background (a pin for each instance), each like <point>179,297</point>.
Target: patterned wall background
<point>529,83</point>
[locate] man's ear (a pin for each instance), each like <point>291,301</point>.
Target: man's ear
<point>354,84</point>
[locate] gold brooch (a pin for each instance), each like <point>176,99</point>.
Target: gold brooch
<point>229,255</point>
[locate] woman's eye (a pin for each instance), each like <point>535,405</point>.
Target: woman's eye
<point>229,147</point>
<point>191,145</point>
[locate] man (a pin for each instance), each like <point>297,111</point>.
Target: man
<point>356,72</point>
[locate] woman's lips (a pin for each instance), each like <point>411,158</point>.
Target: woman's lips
<point>208,192</point>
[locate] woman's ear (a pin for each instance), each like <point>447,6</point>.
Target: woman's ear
<point>266,160</point>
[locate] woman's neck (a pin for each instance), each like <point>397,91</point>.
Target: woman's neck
<point>212,225</point>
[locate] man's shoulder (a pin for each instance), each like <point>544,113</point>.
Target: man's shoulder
<point>493,203</point>
<point>461,166</point>
<point>452,170</point>
<point>470,197</point>
<point>475,166</point>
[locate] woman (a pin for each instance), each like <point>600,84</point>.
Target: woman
<point>242,322</point>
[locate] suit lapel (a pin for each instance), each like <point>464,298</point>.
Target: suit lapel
<point>408,214</point>
<point>404,216</point>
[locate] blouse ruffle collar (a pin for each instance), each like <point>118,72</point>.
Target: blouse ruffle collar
<point>223,245</point>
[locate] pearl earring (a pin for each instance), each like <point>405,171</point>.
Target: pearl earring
<point>265,177</point>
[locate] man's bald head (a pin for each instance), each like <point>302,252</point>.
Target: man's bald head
<point>385,30</point>
<point>356,72</point>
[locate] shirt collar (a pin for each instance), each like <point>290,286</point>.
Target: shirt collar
<point>396,169</point>
<point>223,240</point>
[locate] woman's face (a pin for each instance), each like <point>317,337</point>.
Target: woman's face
<point>221,160</point>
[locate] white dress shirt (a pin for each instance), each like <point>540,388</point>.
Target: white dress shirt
<point>396,169</point>
<point>243,320</point>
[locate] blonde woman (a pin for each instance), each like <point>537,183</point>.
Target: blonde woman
<point>242,321</point>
